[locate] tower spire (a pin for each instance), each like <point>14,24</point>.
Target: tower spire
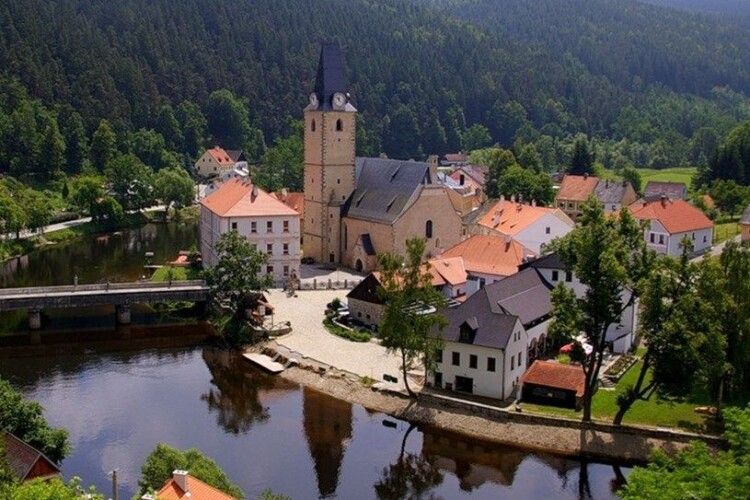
<point>331,76</point>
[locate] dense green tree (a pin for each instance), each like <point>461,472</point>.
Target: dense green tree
<point>194,128</point>
<point>455,124</point>
<point>433,139</point>
<point>36,207</point>
<point>25,419</point>
<point>633,176</point>
<point>169,127</point>
<point>48,489</point>
<point>76,141</point>
<point>132,182</point>
<point>497,161</point>
<point>282,165</point>
<point>526,184</point>
<point>732,159</point>
<point>52,149</point>
<point>103,145</point>
<point>730,197</point>
<point>228,119</point>
<point>401,138</point>
<point>545,146</point>
<point>582,161</point>
<point>703,145</point>
<point>107,211</point>
<point>87,189</point>
<point>367,137</point>
<point>255,146</point>
<point>528,157</point>
<point>506,119</point>
<point>161,462</point>
<point>406,290</point>
<point>174,187</point>
<point>151,148</point>
<point>476,137</point>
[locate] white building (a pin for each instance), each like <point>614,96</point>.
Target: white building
<point>267,223</point>
<point>491,337</point>
<point>671,221</point>
<point>215,161</point>
<point>530,225</point>
<point>554,271</point>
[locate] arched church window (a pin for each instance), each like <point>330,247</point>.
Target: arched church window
<point>428,229</point>
<point>339,125</point>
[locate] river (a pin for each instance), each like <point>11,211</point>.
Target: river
<point>118,398</point>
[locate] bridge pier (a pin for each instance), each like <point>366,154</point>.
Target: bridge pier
<point>35,319</point>
<point>123,314</point>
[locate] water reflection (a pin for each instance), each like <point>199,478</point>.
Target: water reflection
<point>235,390</point>
<point>328,429</point>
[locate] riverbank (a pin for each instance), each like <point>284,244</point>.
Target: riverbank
<point>545,434</point>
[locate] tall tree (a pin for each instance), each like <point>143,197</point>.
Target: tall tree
<point>174,187</point>
<point>476,137</point>
<point>497,161</point>
<point>76,141</point>
<point>169,128</point>
<point>526,184</point>
<point>228,119</point>
<point>194,127</point>
<point>103,144</point>
<point>582,161</point>
<point>406,291</point>
<point>434,140</point>
<point>132,182</point>
<point>401,139</point>
<point>52,151</point>
<point>282,165</point>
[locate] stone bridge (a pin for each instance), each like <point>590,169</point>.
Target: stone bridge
<point>121,295</point>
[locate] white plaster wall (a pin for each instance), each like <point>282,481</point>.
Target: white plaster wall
<point>535,235</point>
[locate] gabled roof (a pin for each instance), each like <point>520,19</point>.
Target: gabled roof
<point>608,191</point>
<point>236,155</point>
<point>22,457</point>
<point>197,490</point>
<point>331,76</point>
<point>746,216</point>
<point>295,201</point>
<point>493,255</point>
<point>556,375</point>
<point>493,311</point>
<point>577,187</point>
<point>549,261</point>
<point>509,217</point>
<point>456,157</point>
<point>674,190</point>
<point>677,216</point>
<point>385,188</point>
<point>220,156</point>
<point>240,198</point>
<point>450,269</point>
<point>472,171</point>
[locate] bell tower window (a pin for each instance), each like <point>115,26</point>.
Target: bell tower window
<point>339,125</point>
<point>428,229</point>
<point>312,126</point>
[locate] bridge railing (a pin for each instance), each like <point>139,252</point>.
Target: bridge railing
<point>100,287</point>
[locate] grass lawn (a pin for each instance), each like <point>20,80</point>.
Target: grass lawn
<point>676,174</point>
<point>178,274</point>
<point>653,412</point>
<point>725,231</point>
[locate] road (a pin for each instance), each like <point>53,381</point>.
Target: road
<point>716,249</point>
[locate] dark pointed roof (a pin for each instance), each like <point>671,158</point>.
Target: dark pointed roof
<point>331,77</point>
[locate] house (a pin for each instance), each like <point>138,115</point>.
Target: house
<point>358,207</point>
<point>295,201</point>
<point>452,273</point>
<point>614,195</point>
<point>267,223</point>
<point>240,170</point>
<point>574,191</point>
<point>530,225</point>
<point>182,486</point>
<point>670,221</point>
<point>488,258</point>
<point>455,159</point>
<point>552,269</point>
<point>25,461</point>
<point>213,162</point>
<point>490,337</point>
<point>672,190</point>
<point>553,383</point>
<point>745,225</point>
<point>470,176</point>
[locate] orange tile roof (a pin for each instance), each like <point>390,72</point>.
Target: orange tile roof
<point>576,187</point>
<point>489,254</point>
<point>221,156</point>
<point>450,269</point>
<point>235,198</point>
<point>677,216</point>
<point>197,490</point>
<point>295,201</point>
<point>556,375</point>
<point>510,217</point>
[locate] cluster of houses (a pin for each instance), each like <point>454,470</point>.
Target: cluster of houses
<point>489,258</point>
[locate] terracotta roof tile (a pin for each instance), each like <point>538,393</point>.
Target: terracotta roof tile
<point>451,269</point>
<point>489,254</point>
<point>295,201</point>
<point>198,490</point>
<point>221,156</point>
<point>677,216</point>
<point>235,198</point>
<point>556,375</point>
<point>510,217</point>
<point>577,187</point>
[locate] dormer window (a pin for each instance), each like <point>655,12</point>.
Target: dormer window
<point>467,331</point>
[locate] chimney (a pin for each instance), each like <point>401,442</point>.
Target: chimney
<point>502,197</point>
<point>512,198</point>
<point>507,239</point>
<point>255,191</point>
<point>586,175</point>
<point>284,192</point>
<point>663,200</point>
<point>533,203</point>
<point>180,478</point>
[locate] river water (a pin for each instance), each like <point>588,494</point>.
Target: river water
<point>119,397</point>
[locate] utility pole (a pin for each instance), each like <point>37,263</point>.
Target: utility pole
<point>115,496</point>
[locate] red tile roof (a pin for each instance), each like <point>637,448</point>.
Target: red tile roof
<point>197,490</point>
<point>451,270</point>
<point>677,216</point>
<point>236,198</point>
<point>576,187</point>
<point>221,156</point>
<point>510,217</point>
<point>295,201</point>
<point>489,254</point>
<point>556,375</point>
<point>25,461</point>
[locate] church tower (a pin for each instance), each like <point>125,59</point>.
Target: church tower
<point>329,157</point>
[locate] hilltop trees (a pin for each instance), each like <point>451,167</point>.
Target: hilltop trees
<point>582,161</point>
<point>732,159</point>
<point>103,145</point>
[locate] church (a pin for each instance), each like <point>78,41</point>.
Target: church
<point>356,208</point>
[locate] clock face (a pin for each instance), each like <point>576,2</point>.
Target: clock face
<point>339,100</point>
<point>314,100</point>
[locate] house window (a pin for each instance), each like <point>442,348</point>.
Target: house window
<point>234,226</point>
<point>704,238</point>
<point>490,364</point>
<point>512,362</point>
<point>269,248</point>
<point>428,229</point>
<point>693,235</point>
<point>269,269</point>
<point>338,181</point>
<point>568,276</point>
<point>456,359</point>
<point>286,248</point>
<point>269,226</point>
<point>286,271</point>
<point>462,179</point>
<point>438,355</point>
<point>472,361</point>
<point>339,125</point>
<point>661,239</point>
<point>519,359</point>
<point>253,227</point>
<point>547,230</point>
<point>555,275</point>
<point>286,226</point>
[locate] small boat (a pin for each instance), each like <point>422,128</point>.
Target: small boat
<point>264,362</point>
